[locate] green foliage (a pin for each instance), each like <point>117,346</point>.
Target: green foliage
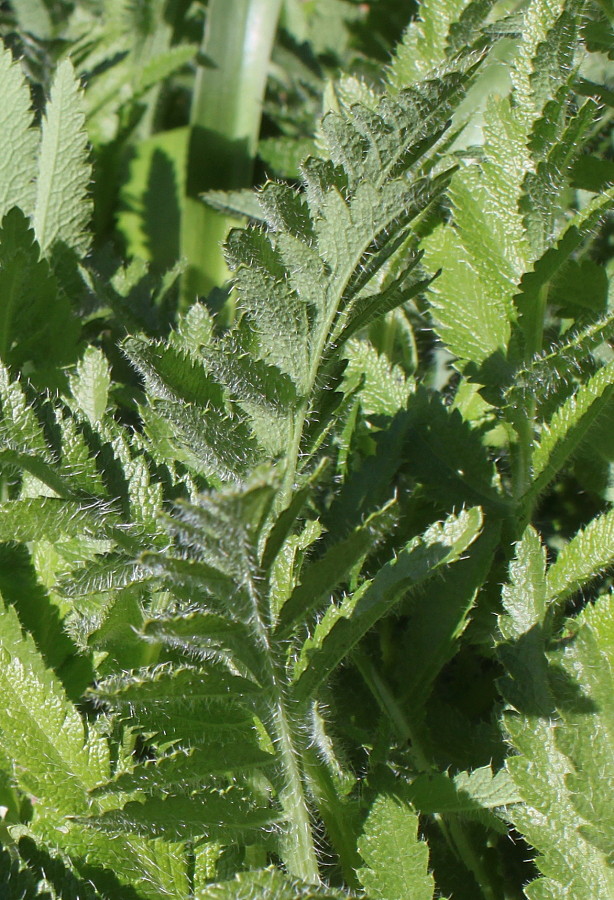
<point>397,861</point>
<point>560,731</point>
<point>253,641</point>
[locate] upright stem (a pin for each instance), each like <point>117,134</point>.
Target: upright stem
<point>224,128</point>
<point>298,853</point>
<point>298,850</point>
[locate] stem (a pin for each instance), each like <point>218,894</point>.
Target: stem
<point>298,850</point>
<point>299,853</point>
<point>224,128</point>
<point>340,827</point>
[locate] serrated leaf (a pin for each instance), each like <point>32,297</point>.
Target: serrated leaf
<point>342,626</point>
<point>437,619</point>
<point>62,207</point>
<point>447,455</point>
<point>90,384</point>
<point>19,138</point>
<point>472,794</point>
<point>397,860</point>
<point>424,46</point>
<point>321,577</point>
<point>225,816</point>
<point>36,323</point>
<point>587,554</point>
<point>172,688</point>
<point>41,731</point>
<point>36,519</point>
<point>235,203</point>
<point>220,753</point>
<point>381,389</point>
<point>201,635</point>
<point>562,766</point>
<point>270,884</point>
<point>569,426</point>
<point>18,882</point>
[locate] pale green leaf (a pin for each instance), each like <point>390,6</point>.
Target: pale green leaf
<point>522,627</point>
<point>62,208</point>
<point>384,389</point>
<point>19,138</point>
<point>533,78</point>
<point>396,859</point>
<point>90,384</point>
<point>236,203</point>
<point>34,17</point>
<point>524,598</point>
<point>587,737</point>
<point>425,42</point>
<point>564,770</point>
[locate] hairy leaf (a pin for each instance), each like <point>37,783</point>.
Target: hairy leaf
<point>397,860</point>
<point>62,208</point>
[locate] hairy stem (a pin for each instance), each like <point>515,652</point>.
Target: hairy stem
<point>299,853</point>
<point>298,848</point>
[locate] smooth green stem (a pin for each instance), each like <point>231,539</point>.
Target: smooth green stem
<point>224,128</point>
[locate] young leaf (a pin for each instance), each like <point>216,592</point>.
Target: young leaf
<point>425,43</point>
<point>90,384</point>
